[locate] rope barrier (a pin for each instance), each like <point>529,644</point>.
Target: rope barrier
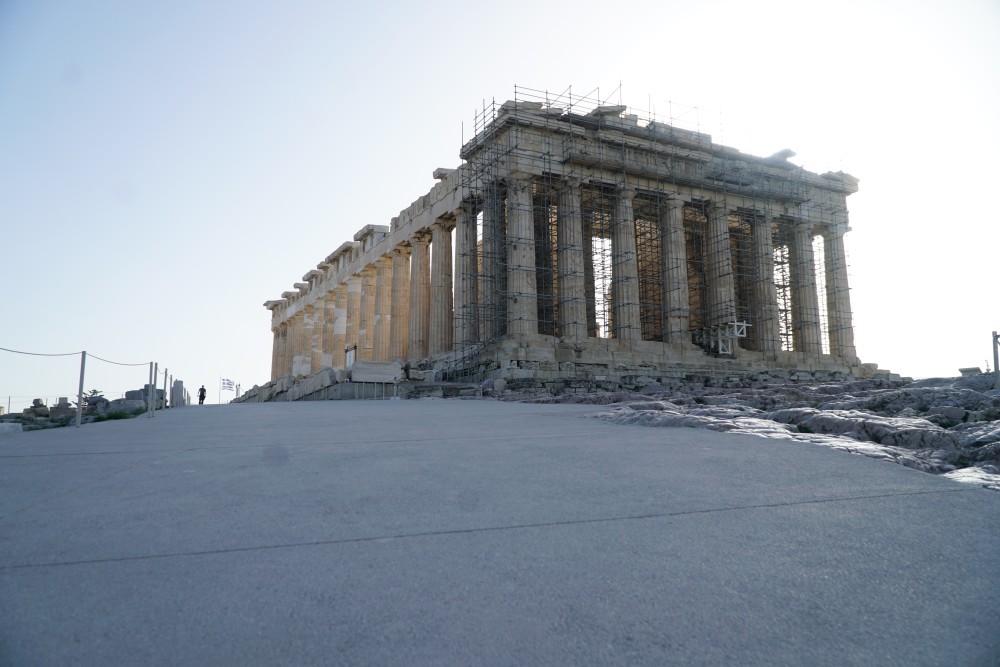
<point>116,363</point>
<point>41,354</point>
<point>71,354</point>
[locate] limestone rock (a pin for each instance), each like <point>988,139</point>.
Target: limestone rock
<point>121,405</point>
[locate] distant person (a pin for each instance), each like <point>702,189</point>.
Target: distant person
<point>201,395</point>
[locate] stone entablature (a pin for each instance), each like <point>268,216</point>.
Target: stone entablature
<point>587,239</point>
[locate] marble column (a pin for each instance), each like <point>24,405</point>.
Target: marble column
<point>766,327</point>
<point>276,353</point>
<point>309,342</point>
<point>676,298</point>
<point>625,320</point>
<point>294,343</point>
<point>316,340</point>
<point>589,280</point>
<point>329,317</point>
<point>366,311</point>
<point>522,296</point>
<point>399,326</point>
<point>297,341</point>
<point>719,268</point>
<point>570,259</point>
<point>383,308</point>
<point>466,277</point>
<point>440,329</point>
<point>420,295</point>
<point>838,296</point>
<point>284,356</point>
<point>805,302</point>
<point>354,289</point>
<point>494,277</point>
<point>339,341</point>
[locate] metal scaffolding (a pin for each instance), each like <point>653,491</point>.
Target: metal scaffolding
<point>514,173</point>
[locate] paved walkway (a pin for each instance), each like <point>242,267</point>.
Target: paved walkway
<point>479,533</point>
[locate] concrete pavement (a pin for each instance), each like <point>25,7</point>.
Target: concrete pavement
<point>477,532</point>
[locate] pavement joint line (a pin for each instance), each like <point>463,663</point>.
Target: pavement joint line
<point>467,531</point>
<point>304,444</point>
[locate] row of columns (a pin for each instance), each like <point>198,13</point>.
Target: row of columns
<point>412,303</point>
<point>400,307</point>
<point>514,268</point>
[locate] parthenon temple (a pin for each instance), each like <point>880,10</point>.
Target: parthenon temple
<point>579,242</point>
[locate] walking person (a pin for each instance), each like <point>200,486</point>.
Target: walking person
<point>201,395</point>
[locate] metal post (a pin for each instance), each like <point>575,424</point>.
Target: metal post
<point>996,361</point>
<point>149,395</point>
<point>152,389</point>
<point>79,394</point>
<point>166,399</point>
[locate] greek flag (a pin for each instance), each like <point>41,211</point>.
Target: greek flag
<point>227,385</point>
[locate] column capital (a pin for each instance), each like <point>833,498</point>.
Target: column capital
<point>420,237</point>
<point>570,183</point>
<point>517,182</point>
<point>626,190</point>
<point>833,231</point>
<point>444,224</point>
<point>800,225</point>
<point>715,207</point>
<point>674,203</point>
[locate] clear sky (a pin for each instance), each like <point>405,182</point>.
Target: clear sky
<point>166,167</point>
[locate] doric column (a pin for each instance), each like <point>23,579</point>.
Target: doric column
<point>316,353</point>
<point>329,317</point>
<point>676,299</point>
<point>383,308</point>
<point>625,321</point>
<point>276,353</point>
<point>494,260</point>
<point>589,282</point>
<point>294,343</point>
<point>719,269</point>
<point>766,330</point>
<point>466,277</point>
<point>310,343</point>
<point>339,341</point>
<point>284,353</point>
<point>440,328</point>
<point>366,309</point>
<point>838,296</point>
<point>354,290</point>
<point>570,259</point>
<point>399,326</point>
<point>805,302</point>
<point>522,294</point>
<point>298,343</point>
<point>420,295</point>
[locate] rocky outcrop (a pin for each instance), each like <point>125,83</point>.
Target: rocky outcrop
<point>945,426</point>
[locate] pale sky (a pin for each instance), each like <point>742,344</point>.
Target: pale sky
<point>166,167</point>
